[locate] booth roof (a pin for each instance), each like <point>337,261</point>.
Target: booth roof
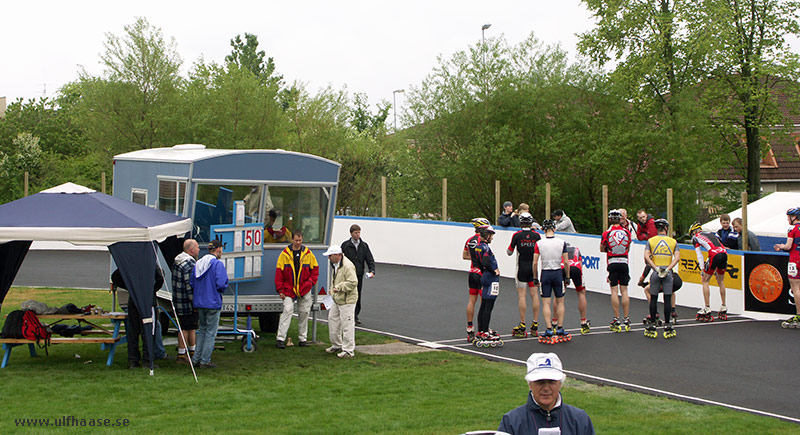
<point>86,218</point>
<point>765,217</point>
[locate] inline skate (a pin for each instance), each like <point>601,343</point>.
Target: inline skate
<point>722,314</point>
<point>547,337</point>
<point>488,339</point>
<point>647,319</point>
<point>669,332</point>
<point>585,327</point>
<point>519,331</point>
<point>791,323</point>
<point>535,329</point>
<point>704,315</point>
<point>626,325</point>
<point>470,334</point>
<point>614,325</point>
<point>562,336</point>
<point>650,330</point>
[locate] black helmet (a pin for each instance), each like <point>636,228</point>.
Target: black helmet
<point>549,224</point>
<point>525,219</point>
<point>478,222</point>
<point>661,224</point>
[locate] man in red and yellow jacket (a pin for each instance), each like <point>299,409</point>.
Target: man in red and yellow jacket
<point>295,275</point>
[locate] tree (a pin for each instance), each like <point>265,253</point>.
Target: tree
<point>749,59</point>
<point>362,119</point>
<point>684,62</point>
<point>245,55</point>
<point>133,105</point>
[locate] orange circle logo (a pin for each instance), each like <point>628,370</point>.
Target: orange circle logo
<point>766,283</point>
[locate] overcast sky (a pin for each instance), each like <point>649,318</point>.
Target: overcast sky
<point>373,46</point>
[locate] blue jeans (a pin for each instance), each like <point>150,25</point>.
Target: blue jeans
<point>158,342</point>
<point>207,324</point>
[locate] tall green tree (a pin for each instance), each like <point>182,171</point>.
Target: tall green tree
<point>245,54</point>
<point>750,66</point>
<point>132,105</point>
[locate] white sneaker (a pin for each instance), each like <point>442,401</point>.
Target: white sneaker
<point>344,354</point>
<point>723,308</point>
<point>704,310</point>
<point>333,349</point>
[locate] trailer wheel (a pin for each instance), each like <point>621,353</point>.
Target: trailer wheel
<point>253,345</point>
<point>269,321</point>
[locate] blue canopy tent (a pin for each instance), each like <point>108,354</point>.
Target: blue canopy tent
<point>79,215</point>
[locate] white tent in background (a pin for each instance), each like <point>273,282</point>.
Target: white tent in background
<point>765,217</point>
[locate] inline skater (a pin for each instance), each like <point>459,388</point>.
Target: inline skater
<point>474,280</point>
<point>716,265</point>
<point>616,243</point>
<point>490,289</point>
<point>552,252</point>
<point>524,242</point>
<point>793,246</point>
<point>677,283</point>
<point>661,254</point>
<point>576,276</point>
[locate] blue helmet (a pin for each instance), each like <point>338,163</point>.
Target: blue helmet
<point>794,211</point>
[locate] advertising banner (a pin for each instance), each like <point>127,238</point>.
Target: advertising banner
<point>767,284</point>
<point>690,271</point>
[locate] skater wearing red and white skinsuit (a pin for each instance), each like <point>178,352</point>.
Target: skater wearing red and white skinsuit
<point>716,265</point>
<point>793,246</point>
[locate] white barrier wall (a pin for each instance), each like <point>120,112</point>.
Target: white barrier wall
<point>438,245</point>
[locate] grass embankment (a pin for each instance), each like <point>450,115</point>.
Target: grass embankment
<point>305,390</point>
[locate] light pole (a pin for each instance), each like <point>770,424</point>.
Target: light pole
<point>483,48</point>
<point>394,105</point>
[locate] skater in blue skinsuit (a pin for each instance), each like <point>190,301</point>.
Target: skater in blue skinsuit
<point>490,282</point>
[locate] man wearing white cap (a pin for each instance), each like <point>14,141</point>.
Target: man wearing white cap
<point>545,413</point>
<point>342,317</point>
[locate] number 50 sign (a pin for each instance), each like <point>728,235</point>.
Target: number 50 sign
<point>253,239</point>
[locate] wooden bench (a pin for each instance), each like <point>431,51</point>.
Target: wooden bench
<point>108,339</point>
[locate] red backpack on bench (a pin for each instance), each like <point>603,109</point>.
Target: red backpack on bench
<point>32,329</point>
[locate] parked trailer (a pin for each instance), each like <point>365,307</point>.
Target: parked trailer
<point>205,184</point>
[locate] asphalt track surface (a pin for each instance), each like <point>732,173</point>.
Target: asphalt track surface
<point>741,363</point>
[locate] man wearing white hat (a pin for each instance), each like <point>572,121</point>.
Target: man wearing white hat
<point>545,413</point>
<point>342,315</point>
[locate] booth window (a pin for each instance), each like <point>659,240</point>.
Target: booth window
<point>139,196</point>
<point>294,208</point>
<point>171,194</point>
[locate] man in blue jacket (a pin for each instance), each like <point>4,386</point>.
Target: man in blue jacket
<point>544,409</point>
<point>209,280</point>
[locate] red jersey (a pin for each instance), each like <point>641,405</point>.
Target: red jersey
<point>794,252</point>
<point>475,260</point>
<point>617,241</point>
<point>575,259</point>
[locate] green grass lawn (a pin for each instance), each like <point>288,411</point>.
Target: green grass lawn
<point>305,390</point>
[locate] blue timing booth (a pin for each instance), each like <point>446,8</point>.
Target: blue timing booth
<point>252,200</point>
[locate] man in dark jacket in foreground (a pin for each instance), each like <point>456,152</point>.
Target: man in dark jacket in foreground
<point>357,251</point>
<point>544,408</point>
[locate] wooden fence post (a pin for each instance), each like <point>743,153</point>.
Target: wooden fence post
<point>25,185</point>
<point>103,182</point>
<point>444,199</point>
<point>669,212</point>
<point>604,222</point>
<point>547,201</point>
<point>496,201</point>
<point>383,196</point>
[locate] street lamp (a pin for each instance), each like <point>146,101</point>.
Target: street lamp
<point>483,48</point>
<point>394,105</point>
<point>483,29</point>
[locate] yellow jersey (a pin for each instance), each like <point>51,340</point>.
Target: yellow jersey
<point>662,248</point>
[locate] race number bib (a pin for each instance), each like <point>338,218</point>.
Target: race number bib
<point>495,290</point>
<point>792,269</point>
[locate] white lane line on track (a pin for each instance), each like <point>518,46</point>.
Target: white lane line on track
<point>625,385</point>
